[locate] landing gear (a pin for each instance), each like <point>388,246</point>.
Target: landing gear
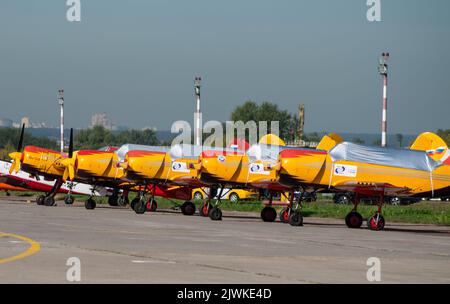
<point>49,198</point>
<point>123,199</point>
<point>268,214</point>
<point>188,208</point>
<point>49,201</point>
<point>40,200</point>
<point>152,205</point>
<point>204,209</point>
<point>69,199</point>
<point>90,204</point>
<point>140,206</point>
<point>284,215</point>
<point>113,200</point>
<point>295,219</point>
<point>215,214</point>
<point>353,220</point>
<point>376,222</point>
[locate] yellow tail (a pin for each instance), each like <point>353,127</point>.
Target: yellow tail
<point>329,141</point>
<point>431,143</point>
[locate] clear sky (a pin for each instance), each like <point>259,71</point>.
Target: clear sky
<point>136,61</point>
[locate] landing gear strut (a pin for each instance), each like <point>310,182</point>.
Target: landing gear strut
<point>376,222</point>
<point>49,198</point>
<point>69,199</point>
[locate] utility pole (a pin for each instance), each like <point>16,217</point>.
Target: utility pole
<point>61,104</point>
<point>301,121</point>
<point>383,70</point>
<point>198,113</point>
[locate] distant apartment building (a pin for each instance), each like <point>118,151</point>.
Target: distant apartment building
<point>101,119</point>
<point>6,123</point>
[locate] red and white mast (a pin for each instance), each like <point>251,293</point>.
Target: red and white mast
<point>198,113</point>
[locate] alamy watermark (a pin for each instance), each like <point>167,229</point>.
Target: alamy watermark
<point>74,10</point>
<point>73,274</point>
<point>374,10</point>
<point>374,272</point>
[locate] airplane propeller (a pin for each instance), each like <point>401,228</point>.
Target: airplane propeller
<point>69,162</point>
<point>17,156</point>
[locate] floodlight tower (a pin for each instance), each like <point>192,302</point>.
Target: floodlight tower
<point>61,104</point>
<point>198,113</point>
<point>383,70</point>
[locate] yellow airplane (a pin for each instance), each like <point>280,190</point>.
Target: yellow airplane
<point>95,167</point>
<point>368,171</point>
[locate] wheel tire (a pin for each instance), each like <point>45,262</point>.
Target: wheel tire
<point>151,205</point>
<point>342,199</point>
<point>268,214</point>
<point>373,225</point>
<point>40,200</point>
<point>284,216</point>
<point>198,196</point>
<point>188,208</point>
<point>140,207</point>
<point>122,201</point>
<point>133,202</point>
<point>49,201</point>
<point>234,197</point>
<point>296,219</point>
<point>215,214</point>
<point>90,204</point>
<point>113,200</point>
<point>353,220</point>
<point>204,209</point>
<point>69,200</point>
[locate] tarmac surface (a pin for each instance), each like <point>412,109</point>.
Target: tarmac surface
<point>115,245</point>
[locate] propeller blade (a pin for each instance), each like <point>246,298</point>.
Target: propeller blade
<point>71,143</point>
<point>19,146</point>
<point>15,166</point>
<point>71,172</point>
<point>65,175</point>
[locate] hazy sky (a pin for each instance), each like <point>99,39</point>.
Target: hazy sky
<point>136,61</point>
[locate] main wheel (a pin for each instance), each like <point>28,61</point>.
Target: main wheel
<point>49,201</point>
<point>204,209</point>
<point>198,196</point>
<point>140,207</point>
<point>353,220</point>
<point>188,208</point>
<point>122,201</point>
<point>376,222</point>
<point>296,219</point>
<point>215,214</point>
<point>268,214</point>
<point>40,200</point>
<point>233,197</point>
<point>395,201</point>
<point>90,204</point>
<point>69,200</point>
<point>151,205</point>
<point>113,200</point>
<point>133,202</point>
<point>284,216</point>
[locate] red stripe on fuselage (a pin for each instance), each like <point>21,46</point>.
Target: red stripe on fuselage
<point>297,153</point>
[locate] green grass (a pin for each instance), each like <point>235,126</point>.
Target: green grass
<point>424,212</point>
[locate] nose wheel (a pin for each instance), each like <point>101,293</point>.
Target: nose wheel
<point>90,204</point>
<point>376,222</point>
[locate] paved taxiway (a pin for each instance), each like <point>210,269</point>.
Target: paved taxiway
<point>116,245</point>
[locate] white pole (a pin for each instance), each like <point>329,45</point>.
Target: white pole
<point>61,104</point>
<point>198,114</point>
<point>383,69</point>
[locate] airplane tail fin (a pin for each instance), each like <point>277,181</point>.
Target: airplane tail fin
<point>329,141</point>
<point>433,145</point>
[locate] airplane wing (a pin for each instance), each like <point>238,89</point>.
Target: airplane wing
<point>372,189</point>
